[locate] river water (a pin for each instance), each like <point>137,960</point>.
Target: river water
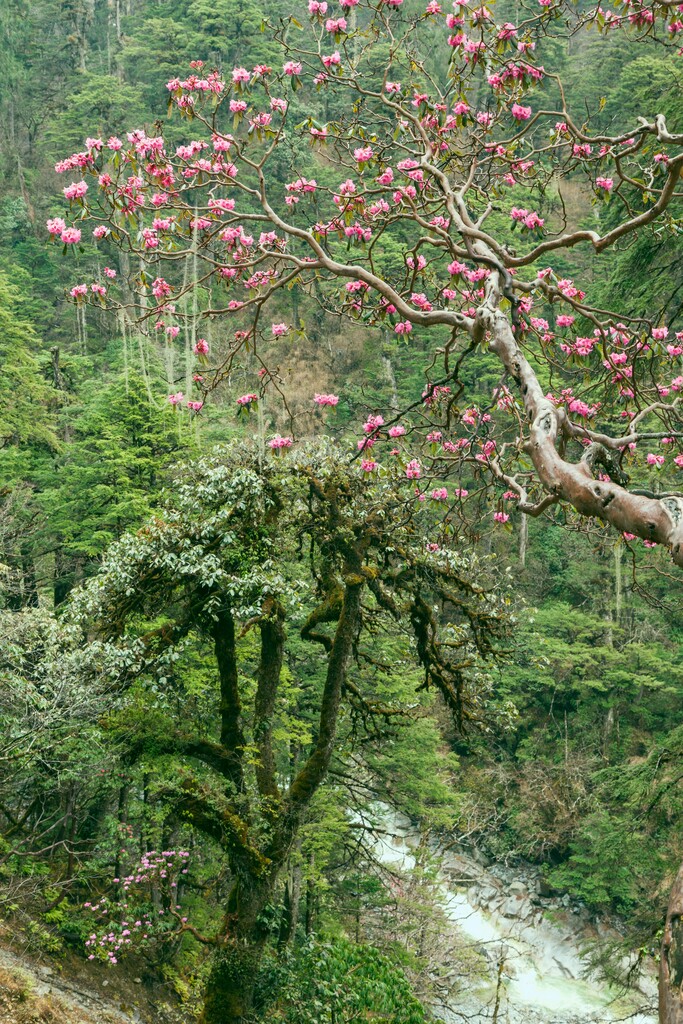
<point>533,970</point>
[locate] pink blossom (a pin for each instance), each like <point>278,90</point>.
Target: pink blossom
<point>201,347</point>
<point>605,183</point>
<point>325,399</point>
<point>70,236</point>
<point>101,231</point>
<point>78,291</point>
<point>279,329</point>
<point>660,333</point>
<point>396,431</point>
<point>292,67</point>
<point>628,536</point>
<point>655,460</point>
<point>501,517</point>
<point>372,423</point>
<point>177,398</point>
<point>403,327</point>
<point>56,225</point>
<point>280,442</point>
<point>385,178</point>
<point>161,288</point>
<point>76,190</point>
<point>363,154</point>
<point>246,400</point>
<point>460,492</point>
<point>440,494</point>
<point>520,113</point>
<point>414,469</point>
<point>368,465</point>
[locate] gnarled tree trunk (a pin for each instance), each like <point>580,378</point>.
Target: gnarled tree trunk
<point>671,960</point>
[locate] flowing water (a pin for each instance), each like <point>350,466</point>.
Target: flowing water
<point>533,969</point>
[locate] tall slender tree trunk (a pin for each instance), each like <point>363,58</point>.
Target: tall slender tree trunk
<point>671,959</point>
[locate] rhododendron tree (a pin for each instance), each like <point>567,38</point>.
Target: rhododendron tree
<point>429,161</point>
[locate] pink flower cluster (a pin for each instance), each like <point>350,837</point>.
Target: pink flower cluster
<point>528,219</point>
<point>326,399</point>
<point>277,442</point>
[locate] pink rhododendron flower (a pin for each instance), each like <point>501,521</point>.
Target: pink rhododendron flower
<point>70,236</point>
<point>413,469</point>
<point>280,442</point>
<point>161,288</point>
<point>76,190</point>
<point>519,112</point>
<point>201,348</point>
<point>326,399</point>
<point>177,398</point>
<point>396,431</point>
<point>372,423</point>
<point>279,329</point>
<point>501,517</point>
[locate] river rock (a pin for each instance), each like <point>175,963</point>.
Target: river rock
<point>487,894</point>
<point>516,907</point>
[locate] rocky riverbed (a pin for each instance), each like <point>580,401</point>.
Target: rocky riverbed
<point>530,944</point>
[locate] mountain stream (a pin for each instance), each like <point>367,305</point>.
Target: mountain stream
<point>533,970</point>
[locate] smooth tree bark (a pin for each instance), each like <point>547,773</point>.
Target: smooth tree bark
<point>671,959</point>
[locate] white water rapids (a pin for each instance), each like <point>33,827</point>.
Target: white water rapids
<point>533,968</point>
